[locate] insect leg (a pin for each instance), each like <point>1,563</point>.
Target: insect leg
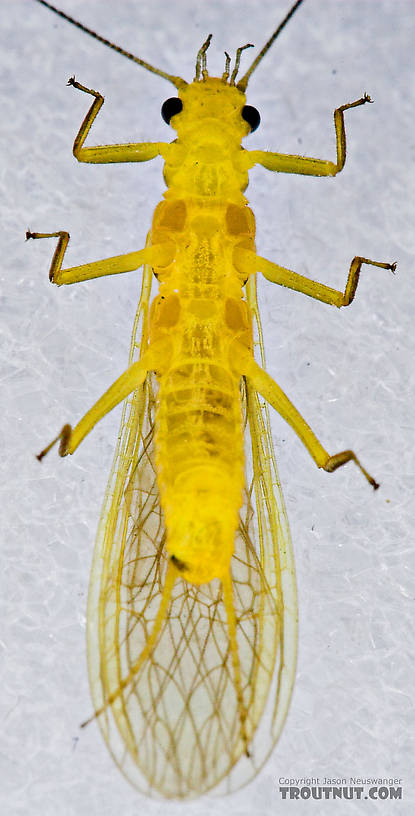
<point>156,255</point>
<point>106,154</point>
<point>248,262</point>
<point>269,389</point>
<point>283,163</point>
<point>69,438</point>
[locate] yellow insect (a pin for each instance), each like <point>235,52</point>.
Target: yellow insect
<point>192,605</point>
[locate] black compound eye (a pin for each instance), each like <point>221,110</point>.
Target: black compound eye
<point>170,107</point>
<point>251,116</point>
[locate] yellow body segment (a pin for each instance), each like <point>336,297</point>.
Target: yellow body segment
<point>192,605</point>
<point>200,308</point>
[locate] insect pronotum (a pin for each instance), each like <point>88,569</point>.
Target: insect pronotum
<point>192,603</point>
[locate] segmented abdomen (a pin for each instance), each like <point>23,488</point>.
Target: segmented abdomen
<point>198,421</point>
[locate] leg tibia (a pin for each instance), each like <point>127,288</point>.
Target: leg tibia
<point>157,255</point>
<point>69,438</point>
<point>278,162</point>
<point>107,154</point>
<point>354,274</point>
<point>55,271</point>
<point>339,459</point>
<point>245,260</point>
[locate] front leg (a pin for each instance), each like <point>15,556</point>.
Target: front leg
<point>283,163</point>
<point>107,154</point>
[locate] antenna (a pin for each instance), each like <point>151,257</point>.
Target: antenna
<point>244,81</point>
<point>175,80</point>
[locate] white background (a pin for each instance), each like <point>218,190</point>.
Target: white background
<point>350,372</point>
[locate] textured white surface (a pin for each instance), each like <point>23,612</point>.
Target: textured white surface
<point>350,372</point>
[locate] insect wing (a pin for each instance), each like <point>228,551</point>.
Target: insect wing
<point>175,727</point>
<point>274,539</point>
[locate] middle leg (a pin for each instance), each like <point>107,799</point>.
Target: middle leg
<point>156,255</point>
<point>248,262</point>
